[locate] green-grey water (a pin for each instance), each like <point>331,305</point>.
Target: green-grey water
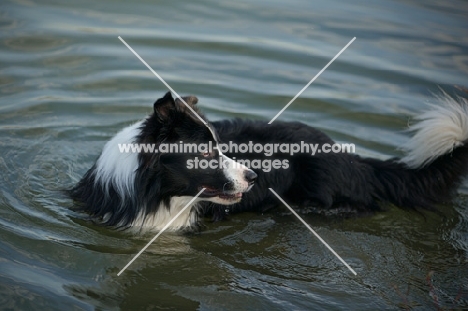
<point>67,84</point>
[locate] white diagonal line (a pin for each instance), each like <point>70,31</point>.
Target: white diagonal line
<point>313,79</point>
<point>161,79</point>
<point>312,230</point>
<point>160,232</point>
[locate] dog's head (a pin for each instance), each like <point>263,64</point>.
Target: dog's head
<point>185,163</point>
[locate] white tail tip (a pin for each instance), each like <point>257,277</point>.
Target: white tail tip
<point>438,132</point>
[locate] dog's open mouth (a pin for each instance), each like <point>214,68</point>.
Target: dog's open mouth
<point>210,192</point>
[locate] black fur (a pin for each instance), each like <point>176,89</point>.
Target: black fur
<point>337,180</point>
<point>324,181</point>
<point>159,176</point>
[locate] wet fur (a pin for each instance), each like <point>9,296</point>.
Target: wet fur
<point>125,192</point>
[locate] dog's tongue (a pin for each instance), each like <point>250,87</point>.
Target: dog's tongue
<point>231,196</point>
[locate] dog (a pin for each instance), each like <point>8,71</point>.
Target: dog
<point>145,190</point>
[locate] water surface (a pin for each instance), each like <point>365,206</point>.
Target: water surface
<point>67,85</point>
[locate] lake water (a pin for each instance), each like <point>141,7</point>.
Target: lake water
<point>67,84</point>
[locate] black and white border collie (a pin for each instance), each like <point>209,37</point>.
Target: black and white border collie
<point>146,190</point>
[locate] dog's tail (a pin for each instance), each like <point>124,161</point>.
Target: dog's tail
<point>436,160</point>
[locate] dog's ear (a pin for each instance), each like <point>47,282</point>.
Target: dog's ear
<point>164,106</point>
<point>190,100</point>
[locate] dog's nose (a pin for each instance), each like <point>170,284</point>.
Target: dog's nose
<point>250,176</point>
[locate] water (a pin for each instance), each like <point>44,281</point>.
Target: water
<point>67,84</point>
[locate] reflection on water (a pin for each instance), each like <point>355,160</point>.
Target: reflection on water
<point>67,84</point>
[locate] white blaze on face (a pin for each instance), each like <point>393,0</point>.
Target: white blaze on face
<point>234,171</point>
